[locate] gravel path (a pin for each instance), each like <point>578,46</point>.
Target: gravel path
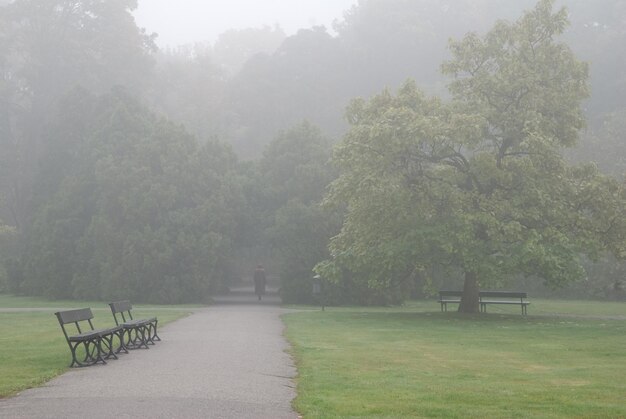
<point>224,361</point>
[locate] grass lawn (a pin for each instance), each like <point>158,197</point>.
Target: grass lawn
<point>566,359</point>
<point>32,347</point>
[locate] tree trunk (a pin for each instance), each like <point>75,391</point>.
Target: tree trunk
<point>469,299</point>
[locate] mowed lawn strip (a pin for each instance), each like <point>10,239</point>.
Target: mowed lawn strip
<point>410,363</point>
<point>32,347</point>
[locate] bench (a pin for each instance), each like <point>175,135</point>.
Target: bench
<point>97,344</point>
<point>138,333</point>
<point>486,298</point>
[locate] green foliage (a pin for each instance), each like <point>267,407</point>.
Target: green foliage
<point>477,183</point>
<point>296,165</point>
<point>605,145</point>
<point>63,44</point>
<point>294,172</point>
<point>48,48</point>
<point>604,280</point>
<point>142,211</point>
<point>298,80</point>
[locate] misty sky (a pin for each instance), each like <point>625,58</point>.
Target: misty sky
<point>187,21</point>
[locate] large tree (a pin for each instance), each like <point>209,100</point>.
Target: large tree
<point>130,205</point>
<point>479,182</point>
<point>48,47</point>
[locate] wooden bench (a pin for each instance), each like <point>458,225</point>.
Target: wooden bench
<point>486,298</point>
<point>138,333</point>
<point>97,344</point>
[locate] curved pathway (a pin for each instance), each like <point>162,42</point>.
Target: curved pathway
<point>224,361</point>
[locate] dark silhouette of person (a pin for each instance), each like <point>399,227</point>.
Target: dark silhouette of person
<point>259,281</point>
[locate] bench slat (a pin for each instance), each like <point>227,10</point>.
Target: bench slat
<point>83,336</point>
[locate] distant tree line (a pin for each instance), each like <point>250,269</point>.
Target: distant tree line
<point>165,176</point>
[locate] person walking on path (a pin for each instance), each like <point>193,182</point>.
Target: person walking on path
<point>259,281</point>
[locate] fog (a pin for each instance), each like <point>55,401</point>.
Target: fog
<point>191,21</point>
<point>392,147</point>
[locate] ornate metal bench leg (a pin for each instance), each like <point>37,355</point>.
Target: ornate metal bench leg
<point>145,336</point>
<point>101,351</point>
<point>136,337</point>
<point>122,346</point>
<point>90,357</point>
<point>141,337</point>
<point>128,343</point>
<point>106,347</point>
<point>92,353</point>
<point>149,330</point>
<point>150,333</point>
<point>155,336</point>
<point>74,359</point>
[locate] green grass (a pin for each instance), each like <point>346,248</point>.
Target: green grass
<point>413,361</point>
<point>32,347</point>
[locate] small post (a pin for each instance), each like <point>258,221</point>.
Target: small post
<point>317,290</point>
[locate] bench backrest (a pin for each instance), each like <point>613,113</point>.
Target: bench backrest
<point>448,293</point>
<point>122,308</point>
<point>74,316</point>
<point>503,294</point>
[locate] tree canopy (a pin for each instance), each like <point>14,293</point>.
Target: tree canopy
<point>117,174</point>
<point>477,183</point>
<point>47,48</point>
<point>141,211</point>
